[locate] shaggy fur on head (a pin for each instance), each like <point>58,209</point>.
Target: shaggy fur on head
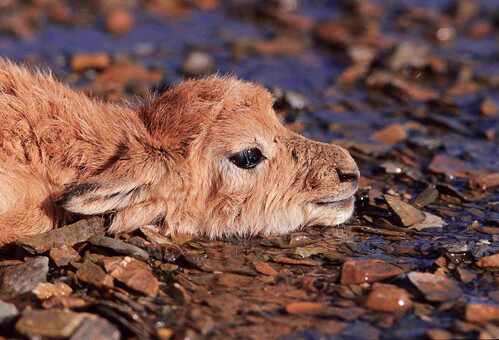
<point>168,163</point>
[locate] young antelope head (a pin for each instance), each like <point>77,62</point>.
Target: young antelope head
<point>236,170</point>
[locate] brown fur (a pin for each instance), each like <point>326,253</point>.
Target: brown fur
<point>165,164</point>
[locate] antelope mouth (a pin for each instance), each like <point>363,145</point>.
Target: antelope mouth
<point>330,201</point>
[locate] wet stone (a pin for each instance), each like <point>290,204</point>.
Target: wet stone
<point>92,274</point>
<point>134,274</point>
<point>265,268</point>
<point>7,311</point>
<point>120,247</point>
<point>49,323</point>
<point>82,62</point>
<point>63,255</point>
<point>233,280</point>
<point>23,278</point>
<point>481,313</point>
<point>96,328</point>
<point>491,261</point>
<point>305,307</point>
<point>371,270</point>
<point>392,134</point>
<point>465,275</point>
<point>439,334</point>
<point>344,313</point>
<point>448,165</point>
<point>485,181</point>
<point>426,197</point>
<point>70,235</point>
<point>430,221</point>
<point>197,64</point>
<point>119,22</point>
<point>406,213</point>
<point>434,287</point>
<point>388,298</point>
<point>488,107</point>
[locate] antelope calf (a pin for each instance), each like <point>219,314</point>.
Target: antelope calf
<point>207,157</point>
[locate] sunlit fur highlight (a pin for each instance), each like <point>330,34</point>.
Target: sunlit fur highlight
<point>165,163</point>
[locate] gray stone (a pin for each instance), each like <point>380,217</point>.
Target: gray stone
<point>25,277</point>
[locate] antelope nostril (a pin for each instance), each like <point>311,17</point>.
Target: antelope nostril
<point>346,176</point>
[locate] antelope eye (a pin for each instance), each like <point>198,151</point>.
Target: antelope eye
<point>247,159</point>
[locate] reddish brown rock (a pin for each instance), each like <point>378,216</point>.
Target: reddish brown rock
<point>68,236</point>
<point>388,298</point>
<point>287,260</point>
<point>83,62</point>
<point>434,287</point>
<point>465,275</point>
<point>406,213</point>
<point>94,327</point>
<point>46,290</point>
<point>491,261</point>
<point>488,107</point>
<point>489,230</point>
<point>439,334</point>
<point>63,302</point>
<point>233,280</point>
<point>391,134</point>
<point>119,22</point>
<point>481,313</point>
<point>448,165</point>
<point>49,323</point>
<point>63,255</point>
<point>361,271</point>
<point>399,87</point>
<point>485,181</point>
<point>115,78</point>
<point>265,268</point>
<point>305,307</point>
<point>92,274</point>
<point>133,273</point>
<point>23,278</point>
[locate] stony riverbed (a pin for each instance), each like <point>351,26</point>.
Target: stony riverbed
<point>411,88</point>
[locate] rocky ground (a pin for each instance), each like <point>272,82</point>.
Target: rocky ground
<point>411,88</point>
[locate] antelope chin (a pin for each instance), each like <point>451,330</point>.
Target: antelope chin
<point>329,212</point>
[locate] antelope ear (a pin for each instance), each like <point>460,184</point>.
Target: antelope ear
<point>98,198</point>
<point>118,187</point>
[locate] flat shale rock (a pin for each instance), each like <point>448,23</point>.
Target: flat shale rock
<point>23,278</point>
<point>83,62</point>
<point>92,274</point>
<point>65,236</point>
<point>7,311</point>
<point>265,269</point>
<point>434,287</point>
<point>481,313</point>
<point>388,298</point>
<point>305,307</point>
<point>491,261</point>
<point>63,255</point>
<point>406,213</point>
<point>392,134</point>
<point>448,165</point>
<point>49,323</point>
<point>371,270</point>
<point>120,247</point>
<point>430,221</point>
<point>134,274</point>
<point>96,328</point>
